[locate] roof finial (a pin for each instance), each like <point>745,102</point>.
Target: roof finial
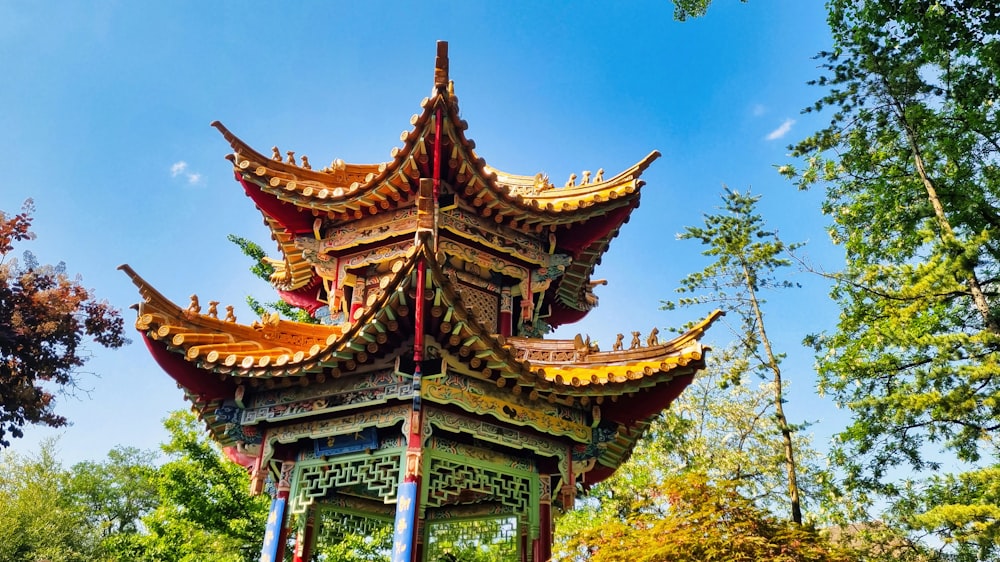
<point>441,65</point>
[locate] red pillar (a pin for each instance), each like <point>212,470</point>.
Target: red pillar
<point>357,297</point>
<point>405,543</point>
<point>306,537</point>
<point>506,312</point>
<point>284,489</point>
<point>543,545</point>
<point>276,532</point>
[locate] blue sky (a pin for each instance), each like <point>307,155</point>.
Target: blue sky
<point>104,121</point>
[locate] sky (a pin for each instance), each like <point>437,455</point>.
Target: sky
<point>104,122</point>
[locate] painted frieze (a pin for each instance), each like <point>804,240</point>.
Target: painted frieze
<point>478,398</point>
<point>374,388</point>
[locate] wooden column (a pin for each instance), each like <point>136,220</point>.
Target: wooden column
<point>276,533</point>
<point>543,544</point>
<point>305,539</point>
<point>406,535</point>
<point>506,312</point>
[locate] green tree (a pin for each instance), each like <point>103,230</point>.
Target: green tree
<point>116,494</point>
<point>205,510</point>
<point>354,547</point>
<point>723,433</point>
<point>909,161</point>
<point>40,519</point>
<point>263,268</point>
<point>962,511</point>
<point>684,9</point>
<point>45,317</point>
<point>747,259</point>
<point>695,519</point>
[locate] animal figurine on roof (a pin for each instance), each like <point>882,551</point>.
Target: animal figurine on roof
<point>618,343</point>
<point>653,339</point>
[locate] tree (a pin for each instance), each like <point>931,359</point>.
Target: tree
<point>962,511</point>
<point>205,510</point>
<point>116,494</point>
<point>41,522</point>
<point>356,547</point>
<point>910,164</point>
<point>694,519</point>
<point>44,317</point>
<point>722,433</point>
<point>194,507</point>
<point>263,268</point>
<point>747,258</point>
<point>684,9</point>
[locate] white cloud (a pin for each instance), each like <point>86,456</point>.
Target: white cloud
<point>180,169</point>
<point>782,130</point>
<point>758,110</point>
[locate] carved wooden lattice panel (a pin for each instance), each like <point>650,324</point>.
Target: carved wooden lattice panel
<point>451,482</point>
<point>335,526</point>
<point>377,474</point>
<point>483,305</point>
<point>495,539</point>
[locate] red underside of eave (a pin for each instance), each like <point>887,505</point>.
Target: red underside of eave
<point>583,236</point>
<point>304,298</point>
<point>645,405</point>
<point>628,412</point>
<point>294,221</point>
<point>561,314</point>
<point>576,241</point>
<point>194,380</point>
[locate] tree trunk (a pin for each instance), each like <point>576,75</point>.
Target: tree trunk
<point>779,411</point>
<point>947,233</point>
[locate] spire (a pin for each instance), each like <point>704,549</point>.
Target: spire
<point>441,65</point>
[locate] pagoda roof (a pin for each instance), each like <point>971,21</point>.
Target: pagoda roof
<point>472,235</point>
<point>581,217</point>
<point>209,356</point>
<point>352,191</point>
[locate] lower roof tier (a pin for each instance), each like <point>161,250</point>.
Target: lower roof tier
<point>597,401</point>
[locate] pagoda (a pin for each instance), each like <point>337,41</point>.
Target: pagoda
<point>424,407</point>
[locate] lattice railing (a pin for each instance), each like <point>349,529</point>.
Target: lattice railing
<point>496,539</point>
<point>377,472</point>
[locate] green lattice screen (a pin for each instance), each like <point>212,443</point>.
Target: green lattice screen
<point>377,473</point>
<point>475,540</point>
<point>341,533</point>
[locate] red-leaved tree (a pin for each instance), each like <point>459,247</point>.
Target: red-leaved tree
<point>45,317</point>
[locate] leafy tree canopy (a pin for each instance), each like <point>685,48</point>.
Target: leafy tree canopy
<point>41,520</point>
<point>748,259</point>
<point>909,163</point>
<point>44,317</point>
<point>205,510</point>
<point>684,9</point>
<point>693,519</point>
<point>262,268</point>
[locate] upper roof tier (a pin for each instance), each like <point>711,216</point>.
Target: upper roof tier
<point>344,191</point>
<point>577,219</point>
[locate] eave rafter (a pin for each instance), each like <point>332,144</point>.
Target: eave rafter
<point>517,362</point>
<point>528,202</point>
<point>352,190</point>
<point>273,347</point>
<point>293,271</point>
